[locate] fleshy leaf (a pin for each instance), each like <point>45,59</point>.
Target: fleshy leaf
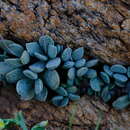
<point>70,82</point>
<point>78,53</point>
<point>30,74</point>
<point>92,63</point>
<point>118,68</point>
<point>15,62</point>
<point>37,67</point>
<point>57,100</point>
<point>24,89</point>
<point>29,95</point>
<point>105,77</point>
<point>32,48</point>
<point>72,89</point>
<point>64,102</point>
<point>120,84</point>
<point>68,64</point>
<point>74,97</point>
<point>42,96</point>
<point>120,77</point>
<point>82,71</point>
<point>53,64</point>
<point>52,51</point>
<point>40,126</point>
<point>66,55</point>
<point>91,73</point>
<point>14,75</point>
<point>106,96</point>
<point>71,73</point>
<point>2,57</point>
<point>128,72</point>
<point>61,91</point>
<point>107,69</point>
<point>4,44</point>
<point>60,101</point>
<point>80,63</point>
<point>95,84</point>
<point>44,41</point>
<point>41,56</point>
<point>38,86</point>
<point>121,102</point>
<point>16,49</point>
<point>52,79</point>
<point>58,48</point>
<point>25,58</point>
<point>90,91</point>
<point>5,68</point>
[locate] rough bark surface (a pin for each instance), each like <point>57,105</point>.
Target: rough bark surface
<point>88,111</point>
<point>103,26</point>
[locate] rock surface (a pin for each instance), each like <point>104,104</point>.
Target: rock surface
<point>103,26</point>
<point>87,112</point>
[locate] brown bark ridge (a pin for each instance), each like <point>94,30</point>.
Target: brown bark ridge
<point>103,26</point>
<point>83,115</point>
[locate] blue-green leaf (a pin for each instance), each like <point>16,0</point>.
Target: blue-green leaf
<point>66,55</point>
<point>80,63</point>
<point>78,53</point>
<point>53,64</point>
<point>52,51</point>
<point>128,72</point>
<point>105,77</point>
<point>82,71</point>
<point>71,73</point>
<point>91,73</point>
<point>95,84</point>
<point>41,56</point>
<point>37,67</point>
<point>38,86</point>
<point>92,63</point>
<point>106,96</point>
<point>52,79</point>
<point>121,102</point>
<point>15,62</point>
<point>61,91</point>
<point>120,84</point>
<point>72,89</point>
<point>33,47</point>
<point>68,64</point>
<point>107,69</point>
<point>25,58</point>
<point>4,44</point>
<point>70,82</point>
<point>30,74</point>
<point>15,49</point>
<point>120,77</point>
<point>14,75</point>
<point>44,41</point>
<point>118,68</point>
<point>74,97</point>
<point>60,101</point>
<point>5,68</point>
<point>42,96</point>
<point>24,89</point>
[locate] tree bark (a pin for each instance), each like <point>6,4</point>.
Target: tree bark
<point>103,26</point>
<point>87,112</point>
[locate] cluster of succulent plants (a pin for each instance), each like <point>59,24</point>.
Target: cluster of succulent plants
<point>44,70</point>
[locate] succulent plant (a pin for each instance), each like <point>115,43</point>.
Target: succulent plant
<point>45,68</point>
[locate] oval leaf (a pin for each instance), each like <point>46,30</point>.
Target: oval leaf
<point>52,79</point>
